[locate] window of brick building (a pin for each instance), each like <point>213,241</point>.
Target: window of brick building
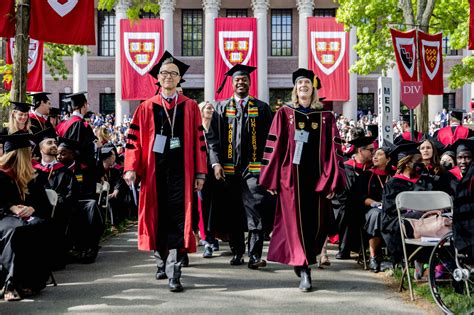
<point>107,103</point>
<point>236,13</point>
<point>281,32</point>
<point>449,100</point>
<point>324,12</point>
<point>149,15</point>
<point>106,31</point>
<point>192,30</point>
<point>365,102</point>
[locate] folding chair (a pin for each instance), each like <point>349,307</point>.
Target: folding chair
<point>102,189</point>
<point>420,201</point>
<point>53,200</point>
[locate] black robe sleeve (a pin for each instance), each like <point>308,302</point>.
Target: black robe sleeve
<point>214,134</point>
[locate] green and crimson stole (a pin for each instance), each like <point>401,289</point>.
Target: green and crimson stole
<point>244,153</point>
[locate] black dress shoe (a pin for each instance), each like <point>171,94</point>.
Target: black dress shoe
<point>160,273</point>
<point>185,262</point>
<point>305,282</point>
<point>175,285</point>
<point>89,256</point>
<point>374,265</point>
<point>343,255</point>
<point>256,262</point>
<point>237,260</point>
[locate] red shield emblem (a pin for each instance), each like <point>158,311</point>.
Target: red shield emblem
<point>141,50</point>
<point>406,50</point>
<point>32,52</point>
<point>235,47</point>
<point>431,57</point>
<point>328,49</point>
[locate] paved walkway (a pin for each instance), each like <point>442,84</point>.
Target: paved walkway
<point>122,281</point>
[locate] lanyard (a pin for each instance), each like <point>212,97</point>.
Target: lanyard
<point>168,116</point>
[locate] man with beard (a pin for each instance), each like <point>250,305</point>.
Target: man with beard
<point>54,175</point>
<point>237,136</point>
<point>39,115</point>
<point>166,151</point>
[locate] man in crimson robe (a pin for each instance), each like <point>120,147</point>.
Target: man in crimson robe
<point>455,131</point>
<point>237,135</point>
<point>166,151</point>
<point>300,165</point>
<point>41,109</point>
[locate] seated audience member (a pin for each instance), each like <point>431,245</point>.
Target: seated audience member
<point>369,191</point>
<point>18,120</point>
<point>448,160</point>
<point>56,176</point>
<point>24,214</point>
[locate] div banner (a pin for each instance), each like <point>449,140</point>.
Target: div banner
<point>142,47</point>
<point>34,81</point>
<point>235,42</point>
<point>404,44</point>
<point>431,58</point>
<point>328,49</point>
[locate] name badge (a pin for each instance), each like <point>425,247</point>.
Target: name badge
<point>301,137</point>
<point>159,144</point>
<point>174,143</point>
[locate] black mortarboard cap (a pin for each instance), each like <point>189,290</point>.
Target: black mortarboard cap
<point>39,97</point>
<point>22,107</point>
<point>77,99</point>
<point>17,140</point>
<point>54,112</point>
<point>362,141</point>
<point>69,144</point>
<point>182,67</point>
<point>457,113</point>
<point>309,74</point>
<point>45,134</point>
<point>238,69</point>
<point>105,152</point>
<point>374,129</point>
<point>406,118</point>
<point>403,150</point>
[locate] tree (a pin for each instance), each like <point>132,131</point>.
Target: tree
<point>135,9</point>
<point>373,19</point>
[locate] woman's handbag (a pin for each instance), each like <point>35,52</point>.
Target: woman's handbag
<point>431,224</point>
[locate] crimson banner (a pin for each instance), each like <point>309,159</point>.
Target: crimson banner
<point>431,57</point>
<point>471,26</point>
<point>404,44</point>
<point>7,18</point>
<point>328,46</point>
<point>63,21</point>
<point>34,81</point>
<point>142,47</point>
<point>235,42</point>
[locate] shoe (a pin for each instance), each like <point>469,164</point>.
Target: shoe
<point>237,260</point>
<point>305,283</point>
<point>297,270</point>
<point>256,262</point>
<point>160,273</point>
<point>374,265</point>
<point>215,246</point>
<point>90,255</point>
<point>175,285</point>
<point>324,260</point>
<point>207,251</point>
<point>185,262</point>
<point>343,255</point>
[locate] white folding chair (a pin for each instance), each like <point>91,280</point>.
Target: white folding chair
<point>418,201</point>
<point>53,199</point>
<point>102,189</point>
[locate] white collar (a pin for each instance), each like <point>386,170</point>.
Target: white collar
<point>77,114</point>
<point>245,99</point>
<point>50,164</point>
<point>40,115</point>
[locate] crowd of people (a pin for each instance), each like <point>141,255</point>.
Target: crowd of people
<point>229,171</point>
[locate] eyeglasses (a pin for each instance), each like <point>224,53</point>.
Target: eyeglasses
<point>370,149</point>
<point>172,74</point>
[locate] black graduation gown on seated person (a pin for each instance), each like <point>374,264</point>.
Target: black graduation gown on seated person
<point>24,243</point>
<point>390,225</point>
<point>463,216</point>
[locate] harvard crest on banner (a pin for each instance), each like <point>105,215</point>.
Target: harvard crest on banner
<point>236,43</point>
<point>404,45</point>
<point>142,46</point>
<point>431,57</point>
<point>329,59</point>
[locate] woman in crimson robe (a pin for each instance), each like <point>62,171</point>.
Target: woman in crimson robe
<point>303,184</point>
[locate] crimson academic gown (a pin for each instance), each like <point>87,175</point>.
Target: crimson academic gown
<point>139,157</point>
<point>448,135</point>
<point>302,212</point>
<point>38,123</point>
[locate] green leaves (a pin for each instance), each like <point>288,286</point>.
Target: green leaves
<point>53,57</point>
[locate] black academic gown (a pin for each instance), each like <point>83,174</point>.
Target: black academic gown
<point>38,123</point>
<point>463,217</point>
<point>25,255</point>
<point>239,202</point>
<point>390,225</point>
<point>119,204</point>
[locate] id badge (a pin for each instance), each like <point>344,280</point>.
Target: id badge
<point>301,136</point>
<point>174,143</point>
<point>159,145</point>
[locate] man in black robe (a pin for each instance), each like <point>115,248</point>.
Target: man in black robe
<point>56,176</point>
<point>237,136</point>
<point>41,109</point>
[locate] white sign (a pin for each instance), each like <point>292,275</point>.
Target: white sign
<point>385,118</point>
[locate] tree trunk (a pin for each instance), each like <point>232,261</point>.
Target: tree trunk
<point>22,42</point>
